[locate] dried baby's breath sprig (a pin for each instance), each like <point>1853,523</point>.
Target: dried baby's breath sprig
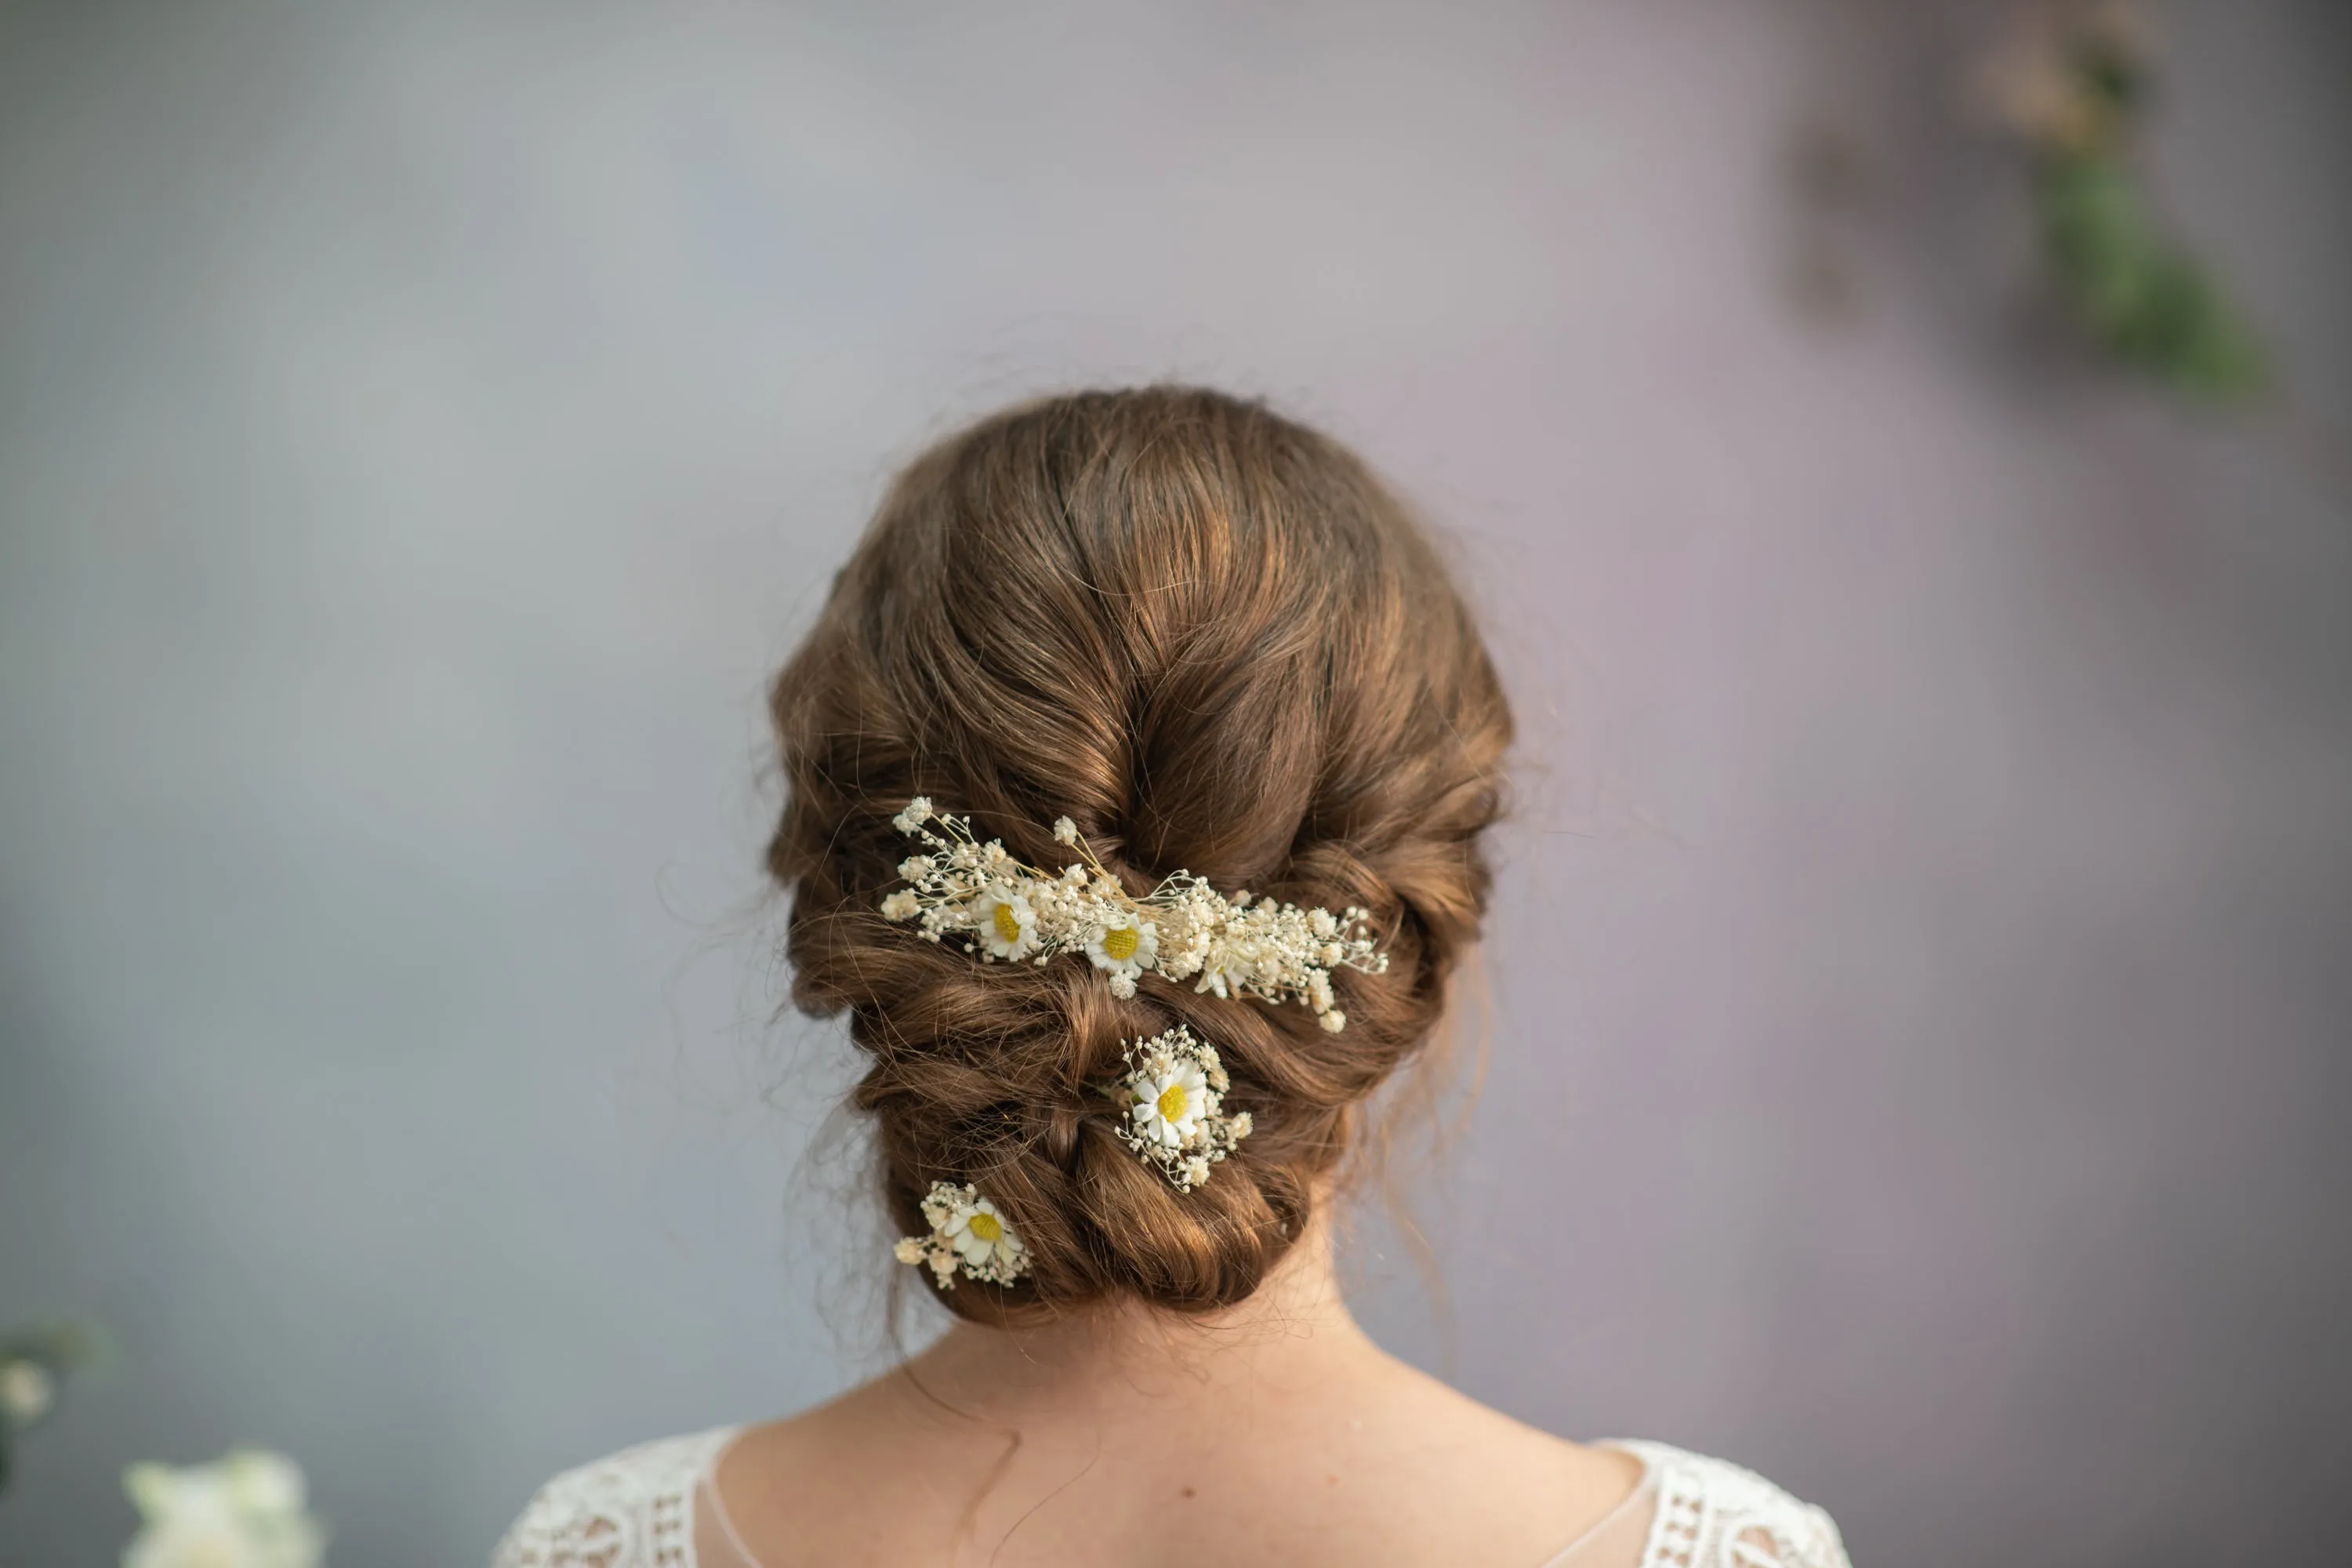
<point>1174,1096</point>
<point>1181,929</point>
<point>967,1233</point>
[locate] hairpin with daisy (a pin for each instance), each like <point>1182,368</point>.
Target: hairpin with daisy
<point>1010,911</point>
<point>1174,1094</point>
<point>967,1233</point>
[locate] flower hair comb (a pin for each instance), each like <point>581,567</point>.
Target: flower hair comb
<point>1181,929</point>
<point>1173,1094</point>
<point>967,1233</point>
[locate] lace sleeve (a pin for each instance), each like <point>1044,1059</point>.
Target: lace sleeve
<point>1713,1514</point>
<point>631,1509</point>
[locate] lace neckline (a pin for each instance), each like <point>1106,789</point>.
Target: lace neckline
<point>1645,1485</point>
<point>706,1485</point>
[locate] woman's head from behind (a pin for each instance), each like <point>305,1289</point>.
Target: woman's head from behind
<point>1213,640</point>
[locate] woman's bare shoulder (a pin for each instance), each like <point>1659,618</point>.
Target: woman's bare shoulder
<point>1406,1467</point>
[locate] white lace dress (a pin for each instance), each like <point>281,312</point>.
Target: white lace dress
<point>654,1506</point>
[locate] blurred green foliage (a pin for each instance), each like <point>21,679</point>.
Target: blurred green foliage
<point>2076,90</point>
<point>2138,294</point>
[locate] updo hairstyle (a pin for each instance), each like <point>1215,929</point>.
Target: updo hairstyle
<point>1214,640</point>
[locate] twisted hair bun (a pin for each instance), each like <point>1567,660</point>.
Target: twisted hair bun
<point>1209,638</point>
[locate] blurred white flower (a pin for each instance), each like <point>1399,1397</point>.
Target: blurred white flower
<point>244,1510</point>
<point>27,1392</point>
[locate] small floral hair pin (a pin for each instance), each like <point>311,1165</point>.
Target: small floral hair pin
<point>1181,929</point>
<point>967,1233</point>
<point>1174,1094</point>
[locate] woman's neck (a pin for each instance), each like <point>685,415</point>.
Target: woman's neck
<point>1272,1434</point>
<point>1294,1332</point>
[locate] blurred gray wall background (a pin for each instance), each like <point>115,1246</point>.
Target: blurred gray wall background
<point>1920,977</point>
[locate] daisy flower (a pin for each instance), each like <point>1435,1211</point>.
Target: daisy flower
<point>980,1235</point>
<point>1004,921</point>
<point>1228,973</point>
<point>967,1233</point>
<point>1169,1104</point>
<point>1126,948</point>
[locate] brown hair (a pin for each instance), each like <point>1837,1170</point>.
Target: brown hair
<point>1211,637</point>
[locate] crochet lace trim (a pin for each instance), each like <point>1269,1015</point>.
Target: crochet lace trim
<point>1712,1514</point>
<point>630,1510</point>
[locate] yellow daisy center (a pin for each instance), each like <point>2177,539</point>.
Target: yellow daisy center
<point>1008,928</point>
<point>986,1227</point>
<point>1171,1101</point>
<point>1120,943</point>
